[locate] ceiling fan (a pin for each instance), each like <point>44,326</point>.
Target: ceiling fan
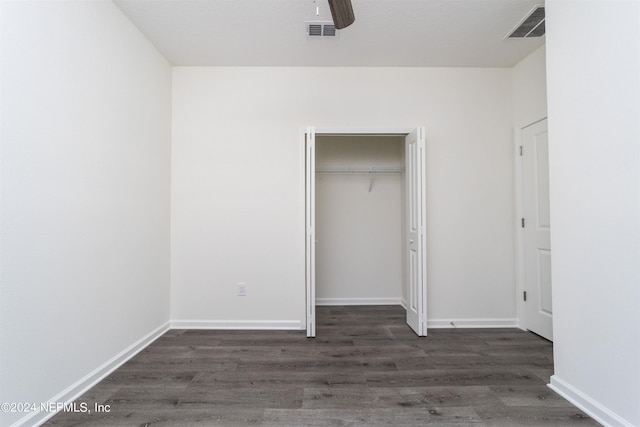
<point>342,13</point>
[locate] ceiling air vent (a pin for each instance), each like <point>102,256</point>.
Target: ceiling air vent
<point>531,26</point>
<point>321,29</point>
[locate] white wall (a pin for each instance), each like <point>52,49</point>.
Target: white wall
<point>530,89</point>
<point>238,183</point>
<point>359,219</point>
<point>593,75</point>
<point>85,196</point>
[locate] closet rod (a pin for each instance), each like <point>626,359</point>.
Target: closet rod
<point>361,170</point>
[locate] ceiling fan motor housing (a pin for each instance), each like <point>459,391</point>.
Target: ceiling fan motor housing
<point>342,13</point>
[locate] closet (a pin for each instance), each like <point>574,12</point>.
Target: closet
<point>360,217</point>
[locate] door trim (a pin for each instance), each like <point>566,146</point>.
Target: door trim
<point>330,131</point>
<point>309,315</point>
<point>310,231</point>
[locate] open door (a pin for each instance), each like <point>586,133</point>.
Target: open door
<point>415,232</point>
<point>310,230</point>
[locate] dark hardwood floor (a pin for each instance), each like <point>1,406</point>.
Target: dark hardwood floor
<point>365,368</point>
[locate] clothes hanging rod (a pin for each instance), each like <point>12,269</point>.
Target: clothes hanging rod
<point>361,170</point>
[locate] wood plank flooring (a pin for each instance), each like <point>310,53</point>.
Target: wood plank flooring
<point>365,368</point>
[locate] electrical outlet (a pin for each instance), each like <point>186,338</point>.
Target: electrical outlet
<point>242,289</point>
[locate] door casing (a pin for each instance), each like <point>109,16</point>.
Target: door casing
<point>309,212</point>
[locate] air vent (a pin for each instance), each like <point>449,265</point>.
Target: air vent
<point>531,26</point>
<point>315,30</point>
<point>321,29</point>
<point>329,30</point>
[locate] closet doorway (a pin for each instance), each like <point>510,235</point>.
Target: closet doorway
<point>365,220</point>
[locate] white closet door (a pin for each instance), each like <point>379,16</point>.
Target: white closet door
<point>537,229</point>
<point>310,223</point>
<point>415,232</point>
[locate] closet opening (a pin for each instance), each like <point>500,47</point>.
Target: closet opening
<point>359,220</point>
<point>365,222</point>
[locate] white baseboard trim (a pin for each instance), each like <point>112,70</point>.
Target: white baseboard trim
<point>276,325</point>
<point>471,323</point>
<point>595,410</point>
<point>358,301</point>
<point>71,393</point>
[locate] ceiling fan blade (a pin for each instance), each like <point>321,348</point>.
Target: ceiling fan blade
<point>342,13</point>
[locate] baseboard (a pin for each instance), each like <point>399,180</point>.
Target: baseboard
<point>471,323</point>
<point>276,325</point>
<point>77,389</point>
<point>595,410</point>
<point>358,301</point>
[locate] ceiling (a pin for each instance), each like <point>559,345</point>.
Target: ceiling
<point>393,33</point>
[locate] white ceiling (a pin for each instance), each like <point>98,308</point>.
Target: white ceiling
<point>426,33</point>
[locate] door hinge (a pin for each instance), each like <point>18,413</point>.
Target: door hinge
<point>521,150</point>
<point>524,295</point>
<point>522,222</point>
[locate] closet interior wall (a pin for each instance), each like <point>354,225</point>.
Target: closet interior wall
<point>359,219</point>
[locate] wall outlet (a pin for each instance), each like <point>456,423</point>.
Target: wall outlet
<point>242,289</point>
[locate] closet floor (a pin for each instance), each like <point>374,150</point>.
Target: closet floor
<point>365,368</point>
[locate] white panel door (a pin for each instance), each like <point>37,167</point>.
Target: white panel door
<point>310,224</point>
<point>415,232</point>
<point>537,230</point>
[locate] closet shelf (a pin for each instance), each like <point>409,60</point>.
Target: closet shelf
<point>361,170</point>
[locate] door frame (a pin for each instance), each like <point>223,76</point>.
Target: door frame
<point>309,230</point>
<point>519,231</point>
